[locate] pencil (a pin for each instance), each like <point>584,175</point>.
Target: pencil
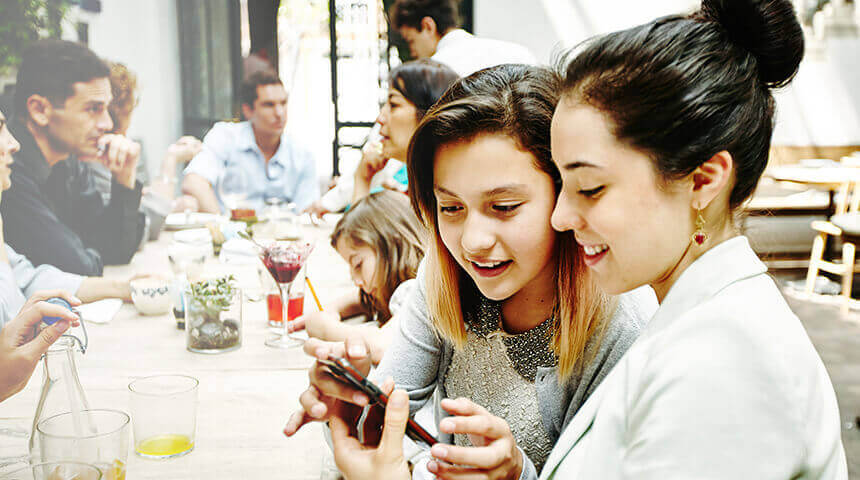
<point>313,292</point>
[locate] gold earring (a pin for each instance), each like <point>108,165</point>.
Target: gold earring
<point>700,236</point>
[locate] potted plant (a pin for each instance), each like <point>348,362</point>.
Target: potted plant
<point>213,316</point>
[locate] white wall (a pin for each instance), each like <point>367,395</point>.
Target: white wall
<point>822,106</point>
<point>545,26</point>
<point>144,36</point>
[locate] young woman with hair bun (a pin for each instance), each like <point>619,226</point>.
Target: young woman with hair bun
<point>662,132</point>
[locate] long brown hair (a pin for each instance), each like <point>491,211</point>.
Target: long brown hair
<point>384,222</point>
<point>517,101</point>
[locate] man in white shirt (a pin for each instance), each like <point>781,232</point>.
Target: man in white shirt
<point>257,154</point>
<point>431,28</point>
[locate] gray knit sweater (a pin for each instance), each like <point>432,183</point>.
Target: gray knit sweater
<point>418,359</point>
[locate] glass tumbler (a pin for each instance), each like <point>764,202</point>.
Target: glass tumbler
<point>55,471</point>
<point>164,409</point>
<point>97,437</point>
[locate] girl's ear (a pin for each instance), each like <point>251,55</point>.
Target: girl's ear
<point>712,178</point>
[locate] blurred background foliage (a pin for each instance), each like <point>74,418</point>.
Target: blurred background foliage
<point>22,22</point>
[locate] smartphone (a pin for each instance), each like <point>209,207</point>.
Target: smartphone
<point>341,369</point>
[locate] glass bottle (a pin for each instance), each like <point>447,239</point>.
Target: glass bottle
<point>61,389</point>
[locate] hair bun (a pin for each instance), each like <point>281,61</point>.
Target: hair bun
<point>768,29</point>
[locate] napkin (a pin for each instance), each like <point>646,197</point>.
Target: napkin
<point>239,251</point>
<point>100,312</point>
<point>327,220</point>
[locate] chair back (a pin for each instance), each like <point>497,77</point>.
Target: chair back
<point>848,198</point>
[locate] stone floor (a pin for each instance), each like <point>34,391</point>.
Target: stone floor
<point>837,339</point>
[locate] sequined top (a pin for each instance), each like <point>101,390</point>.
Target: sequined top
<point>484,373</point>
<point>527,351</point>
<point>497,371</point>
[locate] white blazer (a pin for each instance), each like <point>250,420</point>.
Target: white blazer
<point>723,383</point>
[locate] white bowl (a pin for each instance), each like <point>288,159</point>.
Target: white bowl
<point>151,296</point>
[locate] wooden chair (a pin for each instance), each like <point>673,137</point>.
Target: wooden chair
<point>844,224</point>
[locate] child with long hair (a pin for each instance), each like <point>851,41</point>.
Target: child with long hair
<point>383,242</point>
<point>506,315</point>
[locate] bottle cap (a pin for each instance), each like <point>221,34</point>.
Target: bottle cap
<point>56,301</point>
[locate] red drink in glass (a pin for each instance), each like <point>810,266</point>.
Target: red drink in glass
<point>276,313</point>
<point>282,271</point>
<point>284,261</point>
<point>295,306</point>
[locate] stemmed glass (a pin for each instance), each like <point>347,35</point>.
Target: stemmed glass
<point>233,188</point>
<point>284,259</point>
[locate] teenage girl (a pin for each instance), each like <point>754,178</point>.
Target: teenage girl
<point>506,316</point>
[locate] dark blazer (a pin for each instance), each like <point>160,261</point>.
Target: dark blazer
<point>55,215</point>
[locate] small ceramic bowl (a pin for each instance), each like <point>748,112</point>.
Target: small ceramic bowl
<point>151,296</point>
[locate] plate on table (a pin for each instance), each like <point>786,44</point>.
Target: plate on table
<point>182,220</point>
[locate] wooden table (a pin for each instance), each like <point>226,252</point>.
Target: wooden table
<point>822,178</point>
<point>245,396</point>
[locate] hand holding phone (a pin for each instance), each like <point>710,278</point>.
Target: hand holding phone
<point>326,396</point>
<point>341,369</point>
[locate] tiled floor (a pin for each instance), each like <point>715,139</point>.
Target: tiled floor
<point>837,339</point>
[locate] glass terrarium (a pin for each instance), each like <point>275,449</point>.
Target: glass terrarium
<point>213,316</point>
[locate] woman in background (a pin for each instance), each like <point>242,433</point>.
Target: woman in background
<point>413,88</point>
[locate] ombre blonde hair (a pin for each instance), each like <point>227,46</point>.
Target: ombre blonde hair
<point>384,222</point>
<point>517,101</point>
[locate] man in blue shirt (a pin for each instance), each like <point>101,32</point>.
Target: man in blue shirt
<point>256,154</point>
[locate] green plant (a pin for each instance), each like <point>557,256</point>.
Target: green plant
<point>211,297</point>
<point>25,21</point>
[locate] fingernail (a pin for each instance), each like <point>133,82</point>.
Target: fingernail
<point>433,466</point>
<point>76,300</point>
<point>317,411</point>
<point>439,452</point>
<point>357,351</point>
<point>359,398</point>
<point>446,425</point>
<point>398,401</point>
<point>63,326</point>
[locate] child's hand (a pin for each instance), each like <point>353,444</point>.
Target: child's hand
<point>495,454</point>
<point>385,461</point>
<point>326,396</point>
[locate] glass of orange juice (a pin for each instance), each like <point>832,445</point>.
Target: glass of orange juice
<point>164,415</point>
<point>99,437</point>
